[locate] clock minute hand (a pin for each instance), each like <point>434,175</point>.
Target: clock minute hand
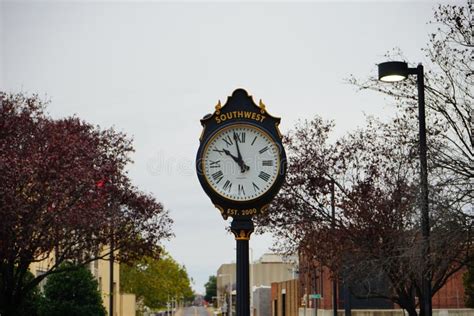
<point>242,165</point>
<point>236,139</point>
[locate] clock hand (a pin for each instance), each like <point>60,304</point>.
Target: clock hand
<point>237,145</point>
<point>225,151</point>
<point>243,166</point>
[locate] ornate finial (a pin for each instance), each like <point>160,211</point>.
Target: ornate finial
<point>218,106</point>
<point>242,234</point>
<point>242,228</point>
<point>261,106</point>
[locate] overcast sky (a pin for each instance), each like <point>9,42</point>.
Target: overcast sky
<point>153,69</point>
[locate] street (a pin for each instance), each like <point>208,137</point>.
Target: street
<point>195,311</point>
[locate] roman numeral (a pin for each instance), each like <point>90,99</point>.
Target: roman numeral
<point>214,164</point>
<point>228,141</point>
<point>267,163</point>
<point>253,141</point>
<point>264,176</point>
<point>217,176</point>
<point>255,187</point>
<point>217,151</point>
<point>227,185</point>
<point>264,149</point>
<point>240,137</point>
<point>241,190</point>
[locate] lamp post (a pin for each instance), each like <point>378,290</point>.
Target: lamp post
<point>230,292</point>
<point>396,71</point>
<point>333,224</point>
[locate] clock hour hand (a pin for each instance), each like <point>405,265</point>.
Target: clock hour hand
<point>225,151</point>
<point>241,164</point>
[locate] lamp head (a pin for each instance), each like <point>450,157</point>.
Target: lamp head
<point>392,71</point>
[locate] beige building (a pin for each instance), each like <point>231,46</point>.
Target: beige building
<point>263,272</point>
<point>124,304</point>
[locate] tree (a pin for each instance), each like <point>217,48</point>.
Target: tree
<point>211,288</point>
<point>32,301</point>
<point>64,194</point>
<point>376,233</point>
<point>156,282</point>
<point>72,293</point>
<point>449,77</point>
<point>449,98</point>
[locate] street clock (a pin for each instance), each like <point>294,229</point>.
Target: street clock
<point>241,162</point>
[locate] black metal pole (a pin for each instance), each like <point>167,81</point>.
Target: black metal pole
<point>425,218</point>
<point>333,224</point>
<point>242,229</point>
<point>111,281</point>
<point>243,292</point>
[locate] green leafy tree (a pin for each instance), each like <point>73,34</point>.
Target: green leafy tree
<point>72,293</point>
<point>211,288</point>
<point>31,303</point>
<point>155,281</point>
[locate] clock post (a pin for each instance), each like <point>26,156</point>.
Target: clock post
<point>241,165</point>
<point>242,228</point>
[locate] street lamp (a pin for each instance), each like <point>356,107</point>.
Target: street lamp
<point>393,71</point>
<point>333,225</point>
<point>230,292</point>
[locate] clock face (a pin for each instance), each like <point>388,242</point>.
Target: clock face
<point>241,162</point>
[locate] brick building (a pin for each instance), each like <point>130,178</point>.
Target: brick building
<point>289,298</point>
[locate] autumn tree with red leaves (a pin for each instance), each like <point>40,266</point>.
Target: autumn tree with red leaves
<point>375,237</point>
<point>64,193</point>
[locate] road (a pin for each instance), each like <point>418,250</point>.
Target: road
<point>195,311</point>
